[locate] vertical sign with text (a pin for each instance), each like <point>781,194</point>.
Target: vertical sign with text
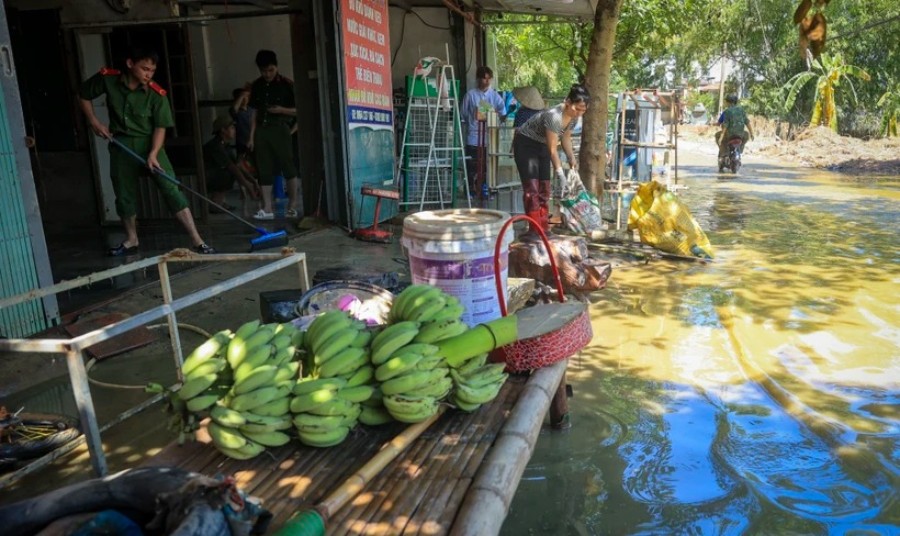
<point>367,63</point>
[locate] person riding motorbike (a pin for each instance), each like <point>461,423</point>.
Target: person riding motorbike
<point>734,123</point>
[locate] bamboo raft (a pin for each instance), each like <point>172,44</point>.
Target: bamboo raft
<point>424,490</point>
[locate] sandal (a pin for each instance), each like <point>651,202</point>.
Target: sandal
<point>121,250</point>
<point>205,249</point>
<point>263,215</point>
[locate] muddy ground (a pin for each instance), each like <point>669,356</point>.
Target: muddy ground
<point>816,147</point>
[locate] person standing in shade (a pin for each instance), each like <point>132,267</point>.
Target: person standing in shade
<point>535,152</point>
<point>222,170</point>
<point>476,103</point>
<point>240,112</point>
<point>139,114</point>
<point>272,114</point>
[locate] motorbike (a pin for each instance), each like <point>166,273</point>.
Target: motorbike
<point>732,160</point>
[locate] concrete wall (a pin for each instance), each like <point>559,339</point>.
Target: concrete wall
<point>411,39</point>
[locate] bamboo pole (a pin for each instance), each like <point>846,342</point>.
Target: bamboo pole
<point>488,499</point>
<point>305,522</point>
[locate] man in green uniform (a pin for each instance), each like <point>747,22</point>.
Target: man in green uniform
<point>273,113</point>
<point>139,114</point>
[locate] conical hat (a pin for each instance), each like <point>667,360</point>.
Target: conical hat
<point>530,97</point>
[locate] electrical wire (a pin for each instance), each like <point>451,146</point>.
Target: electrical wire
<point>93,361</point>
<point>400,43</point>
<point>428,23</point>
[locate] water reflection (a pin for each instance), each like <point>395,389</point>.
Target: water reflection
<point>759,394</point>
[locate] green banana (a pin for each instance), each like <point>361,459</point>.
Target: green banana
<point>381,352</point>
<point>227,416</point>
<point>397,365</point>
<point>337,324</point>
<point>417,348</point>
<point>416,301</point>
<point>284,356</point>
<point>287,371</point>
<point>247,329</point>
<point>438,389</point>
<point>327,438</point>
<point>210,366</point>
<point>298,338</point>
<point>465,406</point>
<point>338,406</point>
<point>357,394</point>
<point>281,423</point>
<point>480,395</point>
<point>241,454</point>
<point>449,311</point>
<point>308,401</point>
<point>309,385</point>
<point>375,400</point>
<point>274,408</point>
<point>195,386</point>
<point>316,423</point>
<point>268,439</point>
<point>281,340</point>
<point>438,331</point>
<point>324,320</point>
<point>404,299</point>
<point>410,381</point>
<point>206,351</point>
<point>254,399</point>
<point>432,362</point>
<point>425,311</point>
<point>224,436</point>
<point>485,375</point>
<point>345,362</point>
<point>256,357</point>
<point>472,364</point>
<point>372,416</point>
<point>260,376</point>
<point>362,339</point>
<point>391,332</point>
<point>239,348</point>
<point>360,376</point>
<point>411,409</point>
<point>334,345</point>
<point>201,402</point>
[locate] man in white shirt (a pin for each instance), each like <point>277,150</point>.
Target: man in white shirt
<point>476,103</point>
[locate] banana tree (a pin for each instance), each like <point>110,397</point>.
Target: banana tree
<point>890,116</point>
<point>828,72</point>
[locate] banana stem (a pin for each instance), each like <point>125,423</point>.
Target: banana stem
<point>481,339</point>
<point>312,522</point>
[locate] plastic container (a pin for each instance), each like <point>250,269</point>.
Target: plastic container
<point>280,197</point>
<point>454,250</point>
<point>374,302</point>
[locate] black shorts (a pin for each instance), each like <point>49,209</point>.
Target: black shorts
<point>532,158</point>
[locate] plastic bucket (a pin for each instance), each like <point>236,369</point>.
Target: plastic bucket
<point>454,250</point>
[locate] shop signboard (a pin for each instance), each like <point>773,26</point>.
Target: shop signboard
<point>369,104</point>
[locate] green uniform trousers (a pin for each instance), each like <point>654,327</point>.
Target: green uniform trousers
<point>125,172</point>
<point>274,154</point>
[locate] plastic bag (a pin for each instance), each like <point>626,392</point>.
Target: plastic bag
<point>665,223</point>
<point>580,208</point>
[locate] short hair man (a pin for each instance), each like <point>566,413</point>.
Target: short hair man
<point>477,101</point>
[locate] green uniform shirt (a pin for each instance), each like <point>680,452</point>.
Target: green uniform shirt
<point>735,120</point>
<point>278,92</point>
<point>134,112</point>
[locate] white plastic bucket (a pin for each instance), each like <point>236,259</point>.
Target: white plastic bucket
<point>454,250</point>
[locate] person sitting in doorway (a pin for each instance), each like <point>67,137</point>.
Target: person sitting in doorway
<point>223,170</point>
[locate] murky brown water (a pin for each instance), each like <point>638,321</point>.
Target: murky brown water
<point>759,394</point>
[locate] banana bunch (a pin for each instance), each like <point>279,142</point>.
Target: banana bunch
<point>206,375</point>
<point>257,368</point>
<point>413,377</point>
<point>437,313</point>
<point>476,382</point>
<point>325,410</point>
<point>336,345</point>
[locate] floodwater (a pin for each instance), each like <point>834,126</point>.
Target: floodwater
<point>758,394</point>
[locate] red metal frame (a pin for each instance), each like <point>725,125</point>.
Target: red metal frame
<point>499,282</point>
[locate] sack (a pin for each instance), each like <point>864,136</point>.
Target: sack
<point>665,223</point>
<point>580,208</point>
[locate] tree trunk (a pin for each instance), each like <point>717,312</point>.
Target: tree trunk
<point>592,159</point>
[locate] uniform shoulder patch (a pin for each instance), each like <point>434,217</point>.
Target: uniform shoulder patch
<point>106,71</point>
<point>157,88</point>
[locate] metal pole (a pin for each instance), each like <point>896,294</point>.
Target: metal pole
<point>166,286</point>
<point>85,404</point>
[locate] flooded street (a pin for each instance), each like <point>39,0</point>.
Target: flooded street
<point>758,394</point>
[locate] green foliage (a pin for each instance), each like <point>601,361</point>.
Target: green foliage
<point>889,103</point>
<point>828,72</point>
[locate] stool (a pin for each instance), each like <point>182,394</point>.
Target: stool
<point>373,233</point>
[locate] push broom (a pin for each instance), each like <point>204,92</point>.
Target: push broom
<point>265,238</point>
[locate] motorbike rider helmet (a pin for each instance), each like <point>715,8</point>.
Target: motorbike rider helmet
<point>731,99</point>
